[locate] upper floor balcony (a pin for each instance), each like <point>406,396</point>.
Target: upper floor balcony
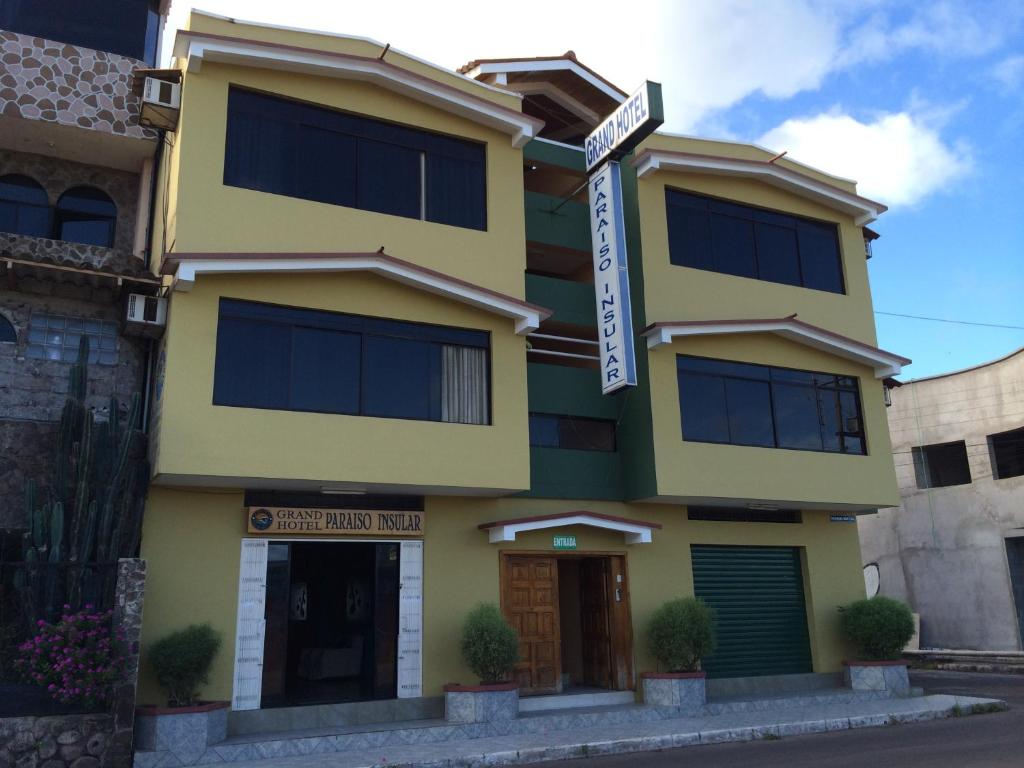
<point>72,102</point>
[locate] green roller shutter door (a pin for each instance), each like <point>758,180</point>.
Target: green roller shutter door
<point>758,597</point>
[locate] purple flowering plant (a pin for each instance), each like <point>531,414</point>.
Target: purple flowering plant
<point>77,659</point>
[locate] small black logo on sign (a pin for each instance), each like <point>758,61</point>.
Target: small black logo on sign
<point>261,519</point>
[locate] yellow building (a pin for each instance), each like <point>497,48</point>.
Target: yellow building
<point>377,400</point>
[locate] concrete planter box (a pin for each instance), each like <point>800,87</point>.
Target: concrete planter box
<point>481,703</point>
<point>888,676</point>
<point>183,731</point>
<point>684,690</point>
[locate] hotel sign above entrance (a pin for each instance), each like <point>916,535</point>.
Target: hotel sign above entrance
<point>626,127</point>
<point>333,522</point>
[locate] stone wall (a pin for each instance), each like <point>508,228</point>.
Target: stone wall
<point>98,740</point>
<point>69,85</point>
<point>57,741</point>
<point>57,176</point>
<point>32,391</point>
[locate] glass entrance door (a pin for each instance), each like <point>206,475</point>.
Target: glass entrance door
<point>331,622</point>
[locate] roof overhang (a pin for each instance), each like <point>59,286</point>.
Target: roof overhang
<point>187,267</point>
<point>885,364</point>
<point>542,64</point>
<point>197,48</point>
<point>863,210</point>
<point>636,531</point>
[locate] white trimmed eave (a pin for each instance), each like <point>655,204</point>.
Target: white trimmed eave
<point>527,318</point>
<point>885,364</point>
<point>195,50</point>
<point>552,65</point>
<point>862,210</point>
<point>634,533</point>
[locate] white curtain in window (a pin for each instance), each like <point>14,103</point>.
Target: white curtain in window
<point>463,384</point>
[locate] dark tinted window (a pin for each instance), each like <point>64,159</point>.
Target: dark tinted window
<point>308,360</point>
<point>942,464</point>
<point>300,150</point>
<point>24,209</point>
<point>743,515</point>
<point>744,404</point>
<point>734,239</point>
<point>1007,450</point>
<point>571,432</point>
<point>127,27</point>
<point>85,215</point>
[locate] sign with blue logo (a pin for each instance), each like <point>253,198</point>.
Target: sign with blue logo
<point>611,279</point>
<point>843,518</point>
<point>635,119</point>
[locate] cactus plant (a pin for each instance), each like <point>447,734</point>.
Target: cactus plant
<point>93,508</point>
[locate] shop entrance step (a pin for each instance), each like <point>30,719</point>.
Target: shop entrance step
<point>575,698</point>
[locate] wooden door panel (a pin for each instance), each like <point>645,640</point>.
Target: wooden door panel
<point>594,610</point>
<point>530,603</point>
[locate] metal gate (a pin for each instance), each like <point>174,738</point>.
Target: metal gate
<point>758,597</point>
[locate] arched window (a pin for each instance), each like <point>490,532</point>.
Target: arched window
<point>85,215</point>
<point>24,209</point>
<point>7,331</point>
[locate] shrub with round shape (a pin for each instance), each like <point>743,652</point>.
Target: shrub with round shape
<point>490,646</point>
<point>880,627</point>
<point>182,662</point>
<point>681,632</point>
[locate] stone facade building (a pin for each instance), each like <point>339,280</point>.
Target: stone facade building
<point>954,548</point>
<point>75,197</point>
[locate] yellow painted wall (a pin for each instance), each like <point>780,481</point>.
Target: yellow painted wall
<point>692,469</point>
<point>682,293</point>
<point>191,544</point>
<point>191,541</point>
<point>209,216</point>
<point>201,439</point>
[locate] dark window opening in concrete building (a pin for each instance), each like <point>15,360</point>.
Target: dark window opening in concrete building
<point>941,465</point>
<point>1007,450</point>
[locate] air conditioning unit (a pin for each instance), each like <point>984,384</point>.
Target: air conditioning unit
<point>161,102</point>
<point>145,315</point>
<point>161,93</point>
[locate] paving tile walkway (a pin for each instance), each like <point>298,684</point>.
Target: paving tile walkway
<point>638,737</point>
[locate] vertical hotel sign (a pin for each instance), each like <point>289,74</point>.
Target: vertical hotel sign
<point>630,124</point>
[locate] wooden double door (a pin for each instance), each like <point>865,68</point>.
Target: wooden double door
<point>595,615</point>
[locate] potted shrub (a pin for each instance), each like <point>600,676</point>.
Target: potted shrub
<point>879,628</point>
<point>681,632</point>
<point>490,648</point>
<point>186,726</point>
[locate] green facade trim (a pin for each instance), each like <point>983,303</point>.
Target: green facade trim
<point>559,155</point>
<point>555,221</point>
<point>572,302</point>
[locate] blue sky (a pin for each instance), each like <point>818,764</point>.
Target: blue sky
<point>922,103</point>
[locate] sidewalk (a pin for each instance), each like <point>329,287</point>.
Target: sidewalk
<point>637,737</point>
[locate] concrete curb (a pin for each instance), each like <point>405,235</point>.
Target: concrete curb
<point>676,740</point>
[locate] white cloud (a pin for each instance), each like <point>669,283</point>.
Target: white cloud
<point>1010,71</point>
<point>941,29</point>
<point>708,54</point>
<point>897,157</point>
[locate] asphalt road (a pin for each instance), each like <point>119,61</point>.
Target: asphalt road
<point>976,741</point>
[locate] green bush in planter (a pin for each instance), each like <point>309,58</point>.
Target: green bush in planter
<point>490,646</point>
<point>182,662</point>
<point>880,627</point>
<point>680,633</point>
